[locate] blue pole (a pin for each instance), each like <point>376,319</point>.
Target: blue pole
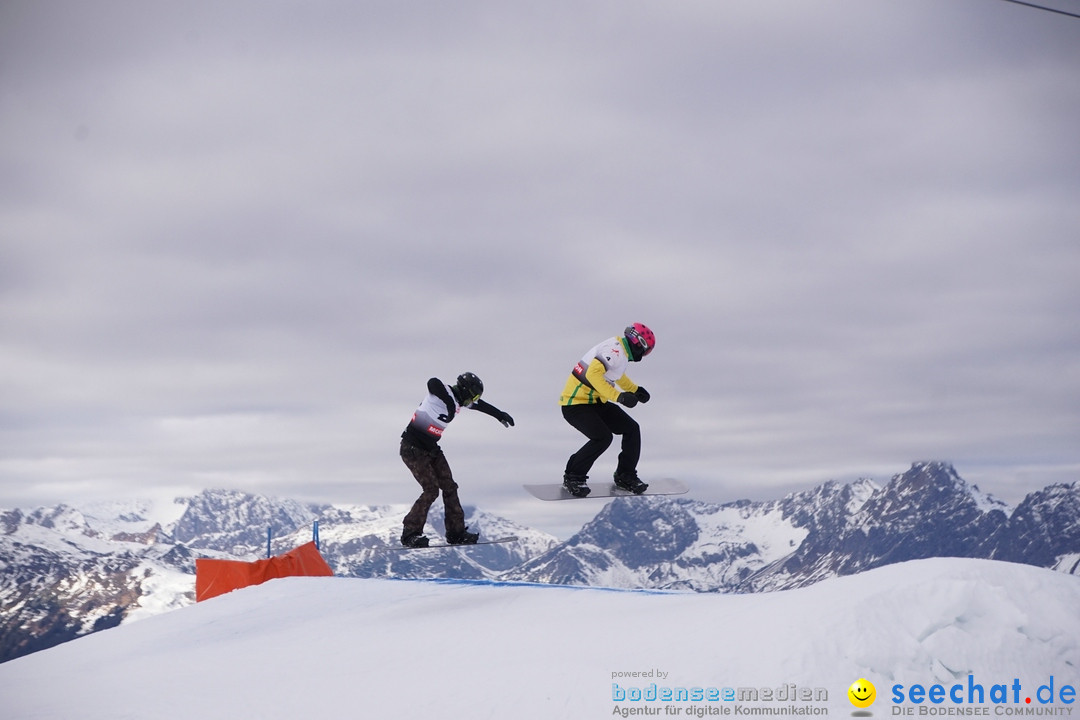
<point>315,534</point>
<point>267,541</point>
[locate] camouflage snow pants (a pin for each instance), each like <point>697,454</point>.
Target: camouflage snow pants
<point>431,470</point>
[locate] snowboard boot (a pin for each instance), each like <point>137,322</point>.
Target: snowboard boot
<point>629,480</point>
<point>414,540</point>
<point>462,538</point>
<point>575,485</point>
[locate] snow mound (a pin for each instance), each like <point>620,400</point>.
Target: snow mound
<point>336,647</point>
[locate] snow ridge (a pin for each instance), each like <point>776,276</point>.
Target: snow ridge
<point>334,647</point>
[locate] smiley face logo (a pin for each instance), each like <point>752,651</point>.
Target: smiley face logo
<point>862,693</point>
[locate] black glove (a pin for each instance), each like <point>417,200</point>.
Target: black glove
<point>628,399</point>
<point>489,409</point>
<point>642,394</point>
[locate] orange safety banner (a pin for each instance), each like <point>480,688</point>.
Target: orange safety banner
<point>217,577</point>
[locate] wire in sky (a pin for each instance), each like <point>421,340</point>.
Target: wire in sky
<point>1041,7</point>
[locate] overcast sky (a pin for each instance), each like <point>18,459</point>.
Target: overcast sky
<point>236,239</point>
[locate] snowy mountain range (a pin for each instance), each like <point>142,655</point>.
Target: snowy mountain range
<point>67,572</point>
<point>831,530</point>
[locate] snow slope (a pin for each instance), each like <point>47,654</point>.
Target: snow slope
<point>352,648</point>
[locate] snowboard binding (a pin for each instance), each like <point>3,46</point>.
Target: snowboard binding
<point>575,485</point>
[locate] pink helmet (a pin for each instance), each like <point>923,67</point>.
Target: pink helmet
<point>641,340</point>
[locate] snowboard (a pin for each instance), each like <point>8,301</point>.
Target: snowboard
<point>432,546</point>
<point>607,488</point>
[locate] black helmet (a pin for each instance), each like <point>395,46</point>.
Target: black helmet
<point>469,388</point>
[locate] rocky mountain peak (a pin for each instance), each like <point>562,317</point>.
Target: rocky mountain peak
<point>230,518</point>
<point>928,494</point>
<point>641,531</point>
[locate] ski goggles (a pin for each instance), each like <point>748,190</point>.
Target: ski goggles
<point>638,338</point>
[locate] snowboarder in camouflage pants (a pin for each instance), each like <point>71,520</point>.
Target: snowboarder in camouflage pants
<point>421,453</point>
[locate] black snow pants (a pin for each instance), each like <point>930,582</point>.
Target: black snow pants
<point>599,422</point>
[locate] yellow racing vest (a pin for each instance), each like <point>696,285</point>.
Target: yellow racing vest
<point>600,375</point>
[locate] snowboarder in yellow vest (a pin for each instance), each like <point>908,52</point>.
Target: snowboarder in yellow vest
<point>590,402</point>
